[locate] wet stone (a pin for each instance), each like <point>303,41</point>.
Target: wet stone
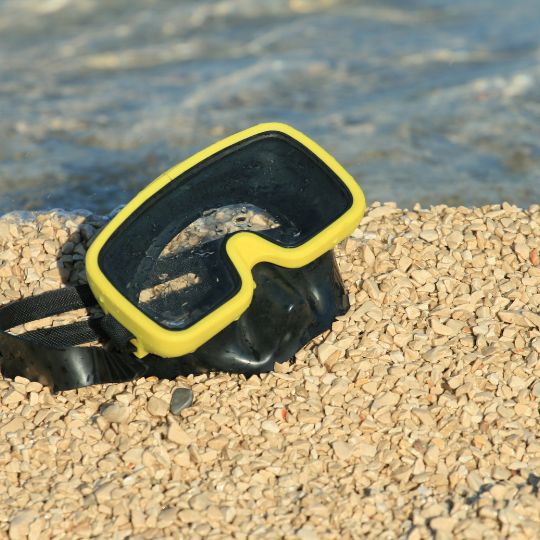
<point>181,399</point>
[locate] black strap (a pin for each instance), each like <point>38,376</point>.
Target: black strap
<point>50,355</point>
<point>34,308</point>
<point>61,337</point>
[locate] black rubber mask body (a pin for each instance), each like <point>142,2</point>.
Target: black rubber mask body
<point>289,308</point>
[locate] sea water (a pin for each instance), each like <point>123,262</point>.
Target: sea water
<point>421,100</point>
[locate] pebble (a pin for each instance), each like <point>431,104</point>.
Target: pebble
<point>19,526</point>
<point>12,426</point>
<point>177,435</point>
<point>271,426</point>
<point>424,416</point>
<point>157,406</point>
<point>326,351</point>
<point>182,398</point>
<point>415,416</point>
<point>307,533</point>
<point>188,516</point>
<point>342,449</point>
<point>367,450</point>
<point>443,524</point>
<point>387,399</point>
<point>429,235</point>
<point>12,397</point>
<point>166,518</point>
<point>115,412</point>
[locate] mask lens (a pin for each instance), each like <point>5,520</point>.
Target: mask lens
<point>167,298</point>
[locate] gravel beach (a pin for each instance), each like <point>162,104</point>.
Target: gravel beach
<point>416,417</point>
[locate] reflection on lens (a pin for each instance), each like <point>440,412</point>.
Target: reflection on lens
<point>218,222</point>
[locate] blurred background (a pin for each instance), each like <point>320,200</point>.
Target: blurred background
<point>422,100</point>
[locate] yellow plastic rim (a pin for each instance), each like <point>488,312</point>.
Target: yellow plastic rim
<point>245,250</point>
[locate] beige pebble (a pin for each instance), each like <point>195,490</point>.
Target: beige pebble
<point>166,518</point>
<point>498,492</point>
<point>367,450</point>
<point>218,443</point>
<point>34,387</point>
<point>327,351</point>
<point>429,235</point>
<point>19,526</point>
<point>12,426</point>
<point>532,317</point>
<point>385,400</point>
<point>157,407</point>
<point>421,276</point>
<point>522,250</point>
<point>443,524</point>
<point>307,533</point>
<point>454,239</point>
<point>474,480</point>
<point>271,426</point>
<point>12,397</point>
<point>369,257</point>
<point>115,412</point>
<point>188,516</point>
<point>309,417</point>
<point>182,459</point>
<point>177,435</point>
<point>424,416</point>
<point>500,473</point>
<point>342,450</point>
<point>441,328</point>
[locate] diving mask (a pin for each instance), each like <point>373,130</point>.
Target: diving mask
<point>176,269</point>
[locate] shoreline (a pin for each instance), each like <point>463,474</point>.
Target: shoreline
<point>416,416</point>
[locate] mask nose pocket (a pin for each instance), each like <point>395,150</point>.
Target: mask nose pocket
<point>289,308</point>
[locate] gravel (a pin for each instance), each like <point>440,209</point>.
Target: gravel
<point>416,416</point>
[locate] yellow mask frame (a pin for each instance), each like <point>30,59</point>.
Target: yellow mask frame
<point>244,249</point>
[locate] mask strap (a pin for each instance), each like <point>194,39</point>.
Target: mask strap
<point>51,356</point>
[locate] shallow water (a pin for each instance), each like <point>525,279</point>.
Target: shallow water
<point>438,101</point>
